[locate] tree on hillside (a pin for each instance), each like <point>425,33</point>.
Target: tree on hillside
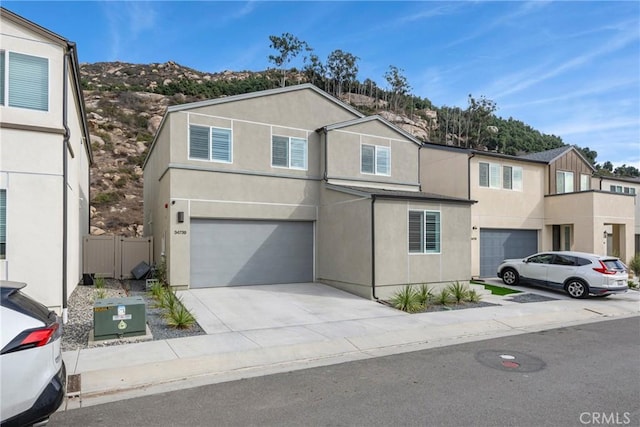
<point>342,68</point>
<point>289,46</point>
<point>627,171</point>
<point>398,85</point>
<point>480,112</point>
<point>588,154</point>
<point>315,71</point>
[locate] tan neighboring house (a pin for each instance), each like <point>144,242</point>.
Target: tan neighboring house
<point>292,185</point>
<point>541,201</point>
<point>45,157</point>
<point>630,186</point>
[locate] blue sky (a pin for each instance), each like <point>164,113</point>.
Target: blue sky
<point>570,69</point>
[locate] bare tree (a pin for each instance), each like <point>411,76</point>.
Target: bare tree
<point>398,85</point>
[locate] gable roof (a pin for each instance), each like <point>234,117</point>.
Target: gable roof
<point>366,119</point>
<point>262,93</point>
<point>547,156</point>
<point>70,49</point>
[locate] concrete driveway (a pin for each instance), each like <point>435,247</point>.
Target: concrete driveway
<point>311,306</point>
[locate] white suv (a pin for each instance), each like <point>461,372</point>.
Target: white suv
<point>33,374</point>
<point>578,274</point>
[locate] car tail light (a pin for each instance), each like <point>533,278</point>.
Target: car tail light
<point>32,338</point>
<point>603,269</point>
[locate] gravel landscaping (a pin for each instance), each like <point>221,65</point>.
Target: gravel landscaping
<point>76,331</point>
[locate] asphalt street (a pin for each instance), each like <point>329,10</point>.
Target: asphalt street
<point>582,375</point>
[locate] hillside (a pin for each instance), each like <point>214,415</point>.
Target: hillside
<point>125,105</point>
<point>126,102</point>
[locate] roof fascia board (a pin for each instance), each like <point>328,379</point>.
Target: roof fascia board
<point>367,119</point>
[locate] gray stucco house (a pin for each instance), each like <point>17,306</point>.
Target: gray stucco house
<point>292,185</point>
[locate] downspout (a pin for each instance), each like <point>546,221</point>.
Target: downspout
<point>373,247</point>
<point>65,171</point>
<point>326,152</point>
<point>469,175</point>
<point>419,161</point>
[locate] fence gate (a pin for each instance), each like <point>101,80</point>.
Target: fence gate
<point>115,256</point>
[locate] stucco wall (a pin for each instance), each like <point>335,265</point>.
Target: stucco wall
<point>31,172</point>
<point>344,154</point>
<point>343,238</point>
<point>396,267</point>
<point>590,213</point>
<point>444,171</point>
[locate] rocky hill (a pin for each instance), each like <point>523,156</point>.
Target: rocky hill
<point>125,105</point>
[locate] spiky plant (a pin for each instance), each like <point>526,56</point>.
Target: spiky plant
<point>99,282</point>
<point>156,290</point>
<point>179,317</point>
<point>473,296</point>
<point>459,291</point>
<point>444,296</point>
<point>425,294</point>
<point>406,299</point>
<point>168,299</point>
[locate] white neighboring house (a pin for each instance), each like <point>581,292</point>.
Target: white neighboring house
<point>45,155</point>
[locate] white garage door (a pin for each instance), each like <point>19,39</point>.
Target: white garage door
<point>230,252</point>
<point>497,245</point>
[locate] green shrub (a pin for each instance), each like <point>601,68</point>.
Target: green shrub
<point>101,293</point>
<point>458,291</point>
<point>634,264</point>
<point>105,198</point>
<point>406,299</point>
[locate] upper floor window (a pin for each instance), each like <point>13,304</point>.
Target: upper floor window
<point>28,81</point>
<point>375,159</point>
<point>210,143</point>
<point>288,152</point>
<point>585,182</point>
<point>3,223</point>
<point>424,232</point>
<point>564,182</point>
<point>491,176</point>
<point>621,189</point>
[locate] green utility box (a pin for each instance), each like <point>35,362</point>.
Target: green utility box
<point>119,317</point>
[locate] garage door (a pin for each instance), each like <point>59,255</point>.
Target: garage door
<point>497,245</point>
<point>227,253</point>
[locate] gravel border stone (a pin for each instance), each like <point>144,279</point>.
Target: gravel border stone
<point>76,331</point>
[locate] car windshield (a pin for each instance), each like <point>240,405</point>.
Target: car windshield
<point>613,264</point>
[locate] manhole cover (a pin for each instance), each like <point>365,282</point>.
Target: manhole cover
<point>506,360</point>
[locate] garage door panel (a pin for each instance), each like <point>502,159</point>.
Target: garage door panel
<point>497,245</point>
<point>227,253</point>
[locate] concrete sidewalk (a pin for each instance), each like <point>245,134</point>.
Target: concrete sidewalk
<point>229,352</point>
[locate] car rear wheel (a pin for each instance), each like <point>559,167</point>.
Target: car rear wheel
<point>510,276</point>
<point>577,288</point>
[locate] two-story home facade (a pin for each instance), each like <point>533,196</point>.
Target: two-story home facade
<point>530,203</point>
<point>45,157</point>
<point>629,186</point>
<point>292,185</point>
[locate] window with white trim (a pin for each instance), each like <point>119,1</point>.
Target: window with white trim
<point>24,81</point>
<point>288,152</point>
<point>3,223</point>
<point>585,182</point>
<point>424,232</point>
<point>621,189</point>
<point>210,143</point>
<point>564,182</point>
<point>491,176</point>
<point>375,159</point>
